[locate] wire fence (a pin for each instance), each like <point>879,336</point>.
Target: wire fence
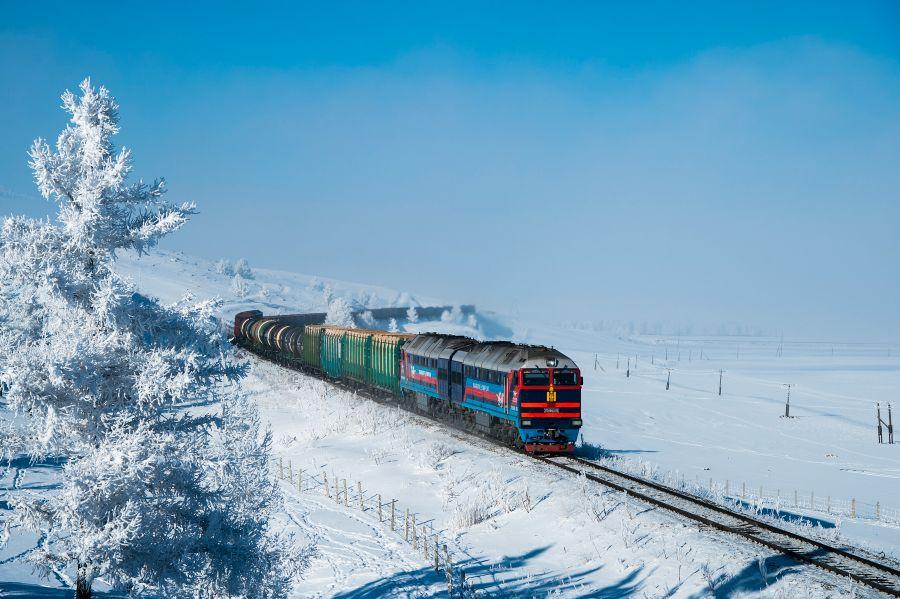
<point>406,524</point>
<point>779,502</point>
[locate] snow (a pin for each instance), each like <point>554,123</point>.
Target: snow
<point>541,532</point>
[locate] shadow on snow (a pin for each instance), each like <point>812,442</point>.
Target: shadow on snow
<point>499,578</point>
<point>20,590</point>
<point>750,578</point>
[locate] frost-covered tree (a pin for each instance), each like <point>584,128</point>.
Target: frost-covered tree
<point>340,313</point>
<point>154,497</point>
<point>392,326</point>
<point>412,315</point>
<point>241,267</point>
<point>366,320</point>
<point>223,267</point>
<point>239,286</point>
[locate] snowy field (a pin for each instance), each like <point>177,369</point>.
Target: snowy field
<point>520,530</point>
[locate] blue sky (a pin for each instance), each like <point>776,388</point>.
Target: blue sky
<point>713,163</point>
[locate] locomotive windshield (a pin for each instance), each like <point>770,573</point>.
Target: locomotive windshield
<point>535,377</point>
<point>564,377</point>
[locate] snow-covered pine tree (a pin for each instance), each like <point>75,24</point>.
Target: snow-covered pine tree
<point>154,498</point>
<point>392,326</point>
<point>412,315</point>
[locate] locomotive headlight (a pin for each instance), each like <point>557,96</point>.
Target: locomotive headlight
<point>576,423</point>
<point>526,423</point>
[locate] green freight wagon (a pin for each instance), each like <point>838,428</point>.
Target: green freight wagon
<point>385,365</point>
<point>312,345</point>
<point>356,355</point>
<point>332,344</point>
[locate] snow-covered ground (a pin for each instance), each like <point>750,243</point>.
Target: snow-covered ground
<point>520,530</point>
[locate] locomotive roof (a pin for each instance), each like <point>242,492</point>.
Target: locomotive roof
<point>501,356</point>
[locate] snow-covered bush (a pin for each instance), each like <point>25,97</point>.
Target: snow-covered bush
<point>153,497</point>
<point>340,313</point>
<point>241,267</point>
<point>223,267</point>
<point>412,315</point>
<point>433,454</point>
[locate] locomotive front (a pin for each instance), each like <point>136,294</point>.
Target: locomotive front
<point>547,390</point>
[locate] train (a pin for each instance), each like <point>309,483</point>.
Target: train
<point>528,396</point>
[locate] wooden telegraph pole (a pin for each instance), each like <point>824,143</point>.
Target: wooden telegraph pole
<point>890,427</point>
<point>668,377</point>
<point>889,424</point>
<point>720,382</point>
<point>787,404</point>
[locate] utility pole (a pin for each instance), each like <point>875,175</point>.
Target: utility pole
<point>889,424</point>
<point>628,371</point>
<point>890,427</point>
<point>668,377</point>
<point>720,382</point>
<point>787,405</point>
<point>596,361</point>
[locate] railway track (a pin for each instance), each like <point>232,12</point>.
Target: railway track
<point>838,560</point>
<point>843,561</point>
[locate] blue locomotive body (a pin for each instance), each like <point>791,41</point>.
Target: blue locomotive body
<point>531,393</point>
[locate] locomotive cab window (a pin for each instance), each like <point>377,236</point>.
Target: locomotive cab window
<point>564,377</point>
<point>536,376</point>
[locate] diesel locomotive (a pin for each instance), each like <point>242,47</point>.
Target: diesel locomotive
<point>526,395</point>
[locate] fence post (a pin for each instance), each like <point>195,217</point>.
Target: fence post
<point>853,508</point>
<point>425,542</point>
<point>393,505</point>
<point>448,564</point>
<point>337,490</point>
<point>290,471</point>
<point>406,527</point>
<point>300,481</point>
<point>414,533</point>
<point>325,484</point>
<point>436,565</point>
<point>346,500</point>
<point>379,509</point>
<point>828,504</point>
<point>812,500</point>
<point>359,490</point>
<point>878,510</point>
